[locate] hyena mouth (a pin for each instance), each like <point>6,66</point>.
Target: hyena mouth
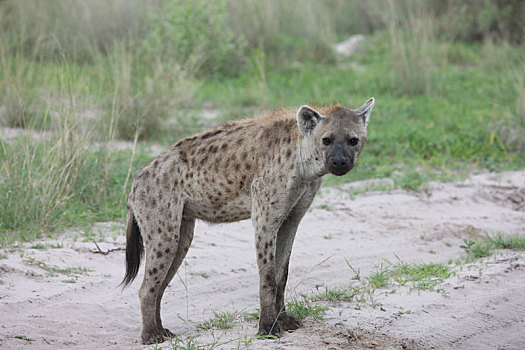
<point>341,170</point>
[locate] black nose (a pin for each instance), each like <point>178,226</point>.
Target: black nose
<point>338,162</point>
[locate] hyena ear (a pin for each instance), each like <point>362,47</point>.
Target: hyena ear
<point>307,119</point>
<point>364,111</point>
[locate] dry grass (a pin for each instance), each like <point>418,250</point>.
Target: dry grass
<point>415,49</point>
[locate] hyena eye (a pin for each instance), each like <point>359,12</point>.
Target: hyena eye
<point>353,141</point>
<point>327,141</point>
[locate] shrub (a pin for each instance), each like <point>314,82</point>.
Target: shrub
<point>195,35</point>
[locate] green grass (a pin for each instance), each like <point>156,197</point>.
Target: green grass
<point>486,247</point>
<point>302,309</point>
<point>52,189</point>
<point>220,320</point>
<point>45,246</point>
<point>53,271</point>
<point>424,137</point>
<point>443,108</point>
<point>386,275</point>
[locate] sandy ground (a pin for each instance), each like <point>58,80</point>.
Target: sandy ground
<point>483,305</point>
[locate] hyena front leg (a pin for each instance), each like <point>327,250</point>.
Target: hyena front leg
<point>268,213</point>
<point>285,238</point>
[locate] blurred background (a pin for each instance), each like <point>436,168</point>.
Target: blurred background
<point>90,91</point>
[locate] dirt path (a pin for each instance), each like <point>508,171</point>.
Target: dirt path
<point>66,297</point>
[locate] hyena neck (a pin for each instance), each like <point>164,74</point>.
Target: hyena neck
<point>308,162</point>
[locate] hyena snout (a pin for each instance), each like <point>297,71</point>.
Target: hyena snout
<point>340,164</point>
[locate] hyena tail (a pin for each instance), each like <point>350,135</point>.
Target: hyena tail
<point>134,250</point>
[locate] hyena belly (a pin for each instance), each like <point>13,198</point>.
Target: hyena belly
<point>229,210</point>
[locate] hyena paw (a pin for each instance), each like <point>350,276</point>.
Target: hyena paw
<point>269,329</point>
<point>289,323</point>
<point>155,337</point>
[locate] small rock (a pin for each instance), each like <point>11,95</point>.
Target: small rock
<point>352,45</point>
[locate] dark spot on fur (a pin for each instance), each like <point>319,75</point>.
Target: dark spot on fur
<point>260,256</point>
<point>159,230</point>
<point>155,270</point>
<point>265,261</point>
<point>161,266</point>
<point>210,134</point>
<point>152,290</point>
<point>247,166</point>
<point>167,251</point>
<point>159,255</point>
<point>150,272</point>
<point>268,277</point>
<point>288,153</point>
<point>224,146</point>
<point>203,160</point>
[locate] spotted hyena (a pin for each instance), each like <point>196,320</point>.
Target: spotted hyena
<point>267,169</point>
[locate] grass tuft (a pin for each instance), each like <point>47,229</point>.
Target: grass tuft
<point>302,309</point>
<point>479,249</point>
<point>220,320</point>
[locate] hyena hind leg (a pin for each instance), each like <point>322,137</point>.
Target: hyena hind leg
<point>185,239</point>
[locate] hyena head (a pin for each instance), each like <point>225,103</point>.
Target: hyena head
<point>337,138</point>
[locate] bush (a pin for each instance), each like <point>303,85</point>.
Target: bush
<point>195,35</point>
<point>477,20</point>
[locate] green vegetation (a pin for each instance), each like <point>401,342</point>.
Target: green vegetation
<point>220,320</point>
<point>77,76</point>
<point>302,309</point>
<point>365,291</point>
<point>53,271</point>
<point>485,247</point>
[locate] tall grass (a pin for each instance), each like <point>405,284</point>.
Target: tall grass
<point>94,71</point>
<point>285,31</point>
<point>74,29</point>
<point>417,54</point>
